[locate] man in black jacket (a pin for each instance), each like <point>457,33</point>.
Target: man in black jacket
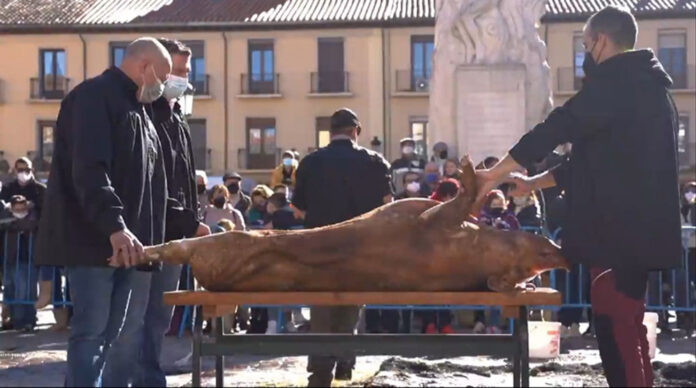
<point>106,198</point>
<point>334,184</point>
<point>25,185</point>
<point>622,125</point>
<point>182,211</point>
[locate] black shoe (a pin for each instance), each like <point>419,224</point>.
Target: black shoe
<point>343,374</point>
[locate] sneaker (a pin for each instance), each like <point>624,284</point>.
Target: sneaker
<point>447,329</point>
<point>272,327</point>
<point>479,328</point>
<point>430,329</point>
<point>493,330</point>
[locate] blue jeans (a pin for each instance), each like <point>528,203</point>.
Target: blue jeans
<point>20,293</point>
<point>157,320</point>
<point>102,314</point>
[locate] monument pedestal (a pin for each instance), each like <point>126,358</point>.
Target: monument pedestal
<point>490,111</point>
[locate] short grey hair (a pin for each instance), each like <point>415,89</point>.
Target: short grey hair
<point>617,23</point>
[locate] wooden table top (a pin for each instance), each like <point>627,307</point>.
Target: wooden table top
<point>540,296</point>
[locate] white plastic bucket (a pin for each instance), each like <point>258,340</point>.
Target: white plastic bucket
<point>544,339</point>
<point>650,322</point>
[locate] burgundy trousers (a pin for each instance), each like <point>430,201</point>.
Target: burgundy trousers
<point>618,306</point>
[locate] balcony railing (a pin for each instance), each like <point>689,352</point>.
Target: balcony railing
<point>567,80</point>
<point>329,82</point>
<point>48,88</point>
<point>200,84</point>
<point>683,80</point>
<point>408,81</point>
<point>266,83</point>
<point>259,161</point>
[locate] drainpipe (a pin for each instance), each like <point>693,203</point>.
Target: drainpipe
<point>225,99</point>
<point>84,57</point>
<point>386,90</point>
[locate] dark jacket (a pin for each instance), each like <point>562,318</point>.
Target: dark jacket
<point>243,203</point>
<point>284,219</point>
<point>339,182</point>
<point>17,237</point>
<point>621,178</point>
<point>107,174</point>
<point>177,151</point>
<point>33,191</point>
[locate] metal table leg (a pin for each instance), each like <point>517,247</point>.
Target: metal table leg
<point>516,357</point>
<point>524,346</point>
<point>219,360</point>
<point>196,354</point>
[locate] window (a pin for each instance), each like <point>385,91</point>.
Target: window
<point>261,75</point>
<point>45,145</point>
<point>331,76</point>
<point>197,76</point>
<point>683,146</point>
<point>419,133</point>
<point>52,83</point>
<point>323,131</point>
<point>261,143</point>
<point>117,50</point>
<point>199,143</point>
<point>421,54</point>
<point>578,60</point>
<point>672,54</point>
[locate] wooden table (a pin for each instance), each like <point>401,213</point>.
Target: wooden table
<point>217,304</point>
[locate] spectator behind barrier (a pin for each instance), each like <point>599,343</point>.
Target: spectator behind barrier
<point>285,172</point>
<point>19,223</point>
<point>414,187</point>
<point>238,199</point>
<point>527,210</point>
<point>281,215</point>
<point>451,169</point>
<point>495,212</point>
<point>256,214</point>
<point>220,208</point>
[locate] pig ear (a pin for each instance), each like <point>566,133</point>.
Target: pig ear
<point>467,180</point>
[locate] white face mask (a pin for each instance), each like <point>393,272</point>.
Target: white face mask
<point>24,177</point>
<point>20,215</point>
<point>690,196</point>
<point>408,150</point>
<point>175,87</point>
<point>150,93</point>
<point>413,187</point>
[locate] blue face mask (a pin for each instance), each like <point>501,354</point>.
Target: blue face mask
<point>431,177</point>
<point>287,162</point>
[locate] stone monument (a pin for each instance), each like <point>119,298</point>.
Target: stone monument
<point>490,80</point>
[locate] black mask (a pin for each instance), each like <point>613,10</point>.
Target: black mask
<point>589,65</point>
<point>443,154</point>
<point>233,188</point>
<point>201,189</point>
<point>219,202</point>
<point>497,212</point>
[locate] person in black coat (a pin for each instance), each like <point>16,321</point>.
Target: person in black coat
<point>334,184</point>
<point>106,198</point>
<point>622,125</point>
<point>25,185</point>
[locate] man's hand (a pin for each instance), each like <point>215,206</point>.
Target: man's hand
<point>203,230</point>
<point>127,250</point>
<point>523,185</point>
<point>486,180</point>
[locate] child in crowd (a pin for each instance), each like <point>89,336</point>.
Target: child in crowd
<point>17,226</point>
<point>280,214</point>
<point>257,215</point>
<point>495,213</point>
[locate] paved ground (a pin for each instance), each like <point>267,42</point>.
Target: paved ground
<point>38,359</point>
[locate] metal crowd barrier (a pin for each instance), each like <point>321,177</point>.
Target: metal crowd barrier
<point>18,269</point>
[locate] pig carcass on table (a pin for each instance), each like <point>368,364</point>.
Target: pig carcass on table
<point>408,245</point>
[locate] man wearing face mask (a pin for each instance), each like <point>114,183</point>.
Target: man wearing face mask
<point>182,210</point>
<point>622,126</point>
<point>107,194</point>
<point>284,174</point>
<point>25,185</point>
<point>238,199</point>
<point>409,161</point>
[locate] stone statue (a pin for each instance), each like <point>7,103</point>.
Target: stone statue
<point>487,32</point>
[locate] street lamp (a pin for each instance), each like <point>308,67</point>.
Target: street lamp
<point>186,101</point>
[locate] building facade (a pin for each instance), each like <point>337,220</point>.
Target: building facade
<point>267,78</point>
